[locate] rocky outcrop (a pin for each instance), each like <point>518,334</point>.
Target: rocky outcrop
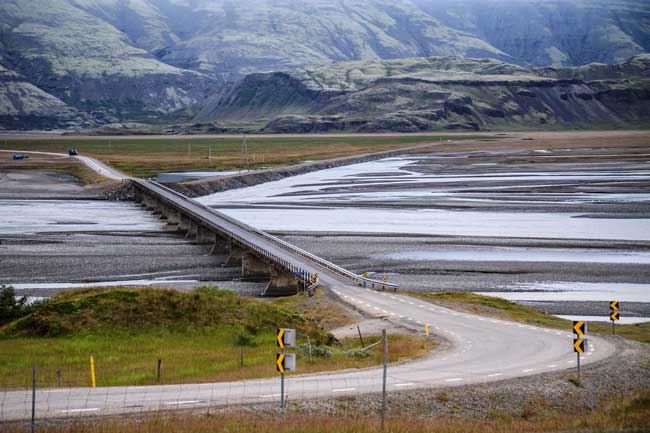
<point>411,95</point>
<point>23,104</point>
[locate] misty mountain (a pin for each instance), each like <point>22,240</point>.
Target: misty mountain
<point>160,60</point>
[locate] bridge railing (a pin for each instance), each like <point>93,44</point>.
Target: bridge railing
<point>357,279</point>
<point>264,253</point>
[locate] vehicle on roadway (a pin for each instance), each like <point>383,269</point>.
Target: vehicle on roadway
<point>18,156</point>
<point>73,152</point>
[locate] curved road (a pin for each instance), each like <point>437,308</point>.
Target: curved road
<point>481,349</point>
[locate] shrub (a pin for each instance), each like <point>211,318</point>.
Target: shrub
<point>316,350</point>
<point>11,307</point>
<point>244,339</point>
<point>357,353</point>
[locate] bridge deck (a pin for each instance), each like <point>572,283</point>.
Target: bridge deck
<point>281,253</point>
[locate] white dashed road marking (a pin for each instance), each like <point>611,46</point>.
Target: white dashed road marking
<point>90,409</point>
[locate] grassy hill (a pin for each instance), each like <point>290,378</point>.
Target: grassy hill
<point>199,336</point>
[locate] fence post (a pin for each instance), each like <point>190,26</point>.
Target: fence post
<point>34,398</point>
<point>383,387</point>
<point>309,345</point>
<point>92,371</point>
<point>159,372</point>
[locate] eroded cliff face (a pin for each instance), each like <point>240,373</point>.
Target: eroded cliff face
<point>411,95</point>
<point>22,103</point>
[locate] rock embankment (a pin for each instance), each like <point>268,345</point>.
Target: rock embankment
<point>123,191</point>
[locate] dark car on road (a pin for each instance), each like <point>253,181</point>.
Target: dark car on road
<point>73,152</point>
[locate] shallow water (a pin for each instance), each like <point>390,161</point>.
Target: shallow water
<point>623,321</point>
<point>310,202</point>
<point>33,286</point>
<point>497,254</point>
<point>37,216</point>
<point>441,222</point>
<point>575,291</point>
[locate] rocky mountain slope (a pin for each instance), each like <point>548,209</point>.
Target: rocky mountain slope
<point>158,60</point>
<point>88,66</point>
<point>437,93</point>
<point>23,103</point>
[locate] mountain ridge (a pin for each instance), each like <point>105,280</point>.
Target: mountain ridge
<point>421,94</point>
<point>162,60</point>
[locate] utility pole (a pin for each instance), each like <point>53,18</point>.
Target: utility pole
<point>244,151</point>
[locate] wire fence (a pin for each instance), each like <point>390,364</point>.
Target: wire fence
<point>48,393</point>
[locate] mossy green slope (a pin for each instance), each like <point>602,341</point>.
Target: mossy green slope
<point>106,311</point>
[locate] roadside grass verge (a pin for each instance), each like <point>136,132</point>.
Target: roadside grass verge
<point>146,157</point>
<point>628,414</point>
<point>198,336</point>
<point>496,307</point>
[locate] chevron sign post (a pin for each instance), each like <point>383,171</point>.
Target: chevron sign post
<point>285,337</point>
<point>614,315</point>
<point>579,342</point>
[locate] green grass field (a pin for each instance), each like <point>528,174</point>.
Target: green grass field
<point>146,157</point>
<point>198,335</point>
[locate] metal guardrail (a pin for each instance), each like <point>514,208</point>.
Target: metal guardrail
<point>357,279</point>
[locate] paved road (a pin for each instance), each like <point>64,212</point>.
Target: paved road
<point>480,350</point>
<point>91,163</point>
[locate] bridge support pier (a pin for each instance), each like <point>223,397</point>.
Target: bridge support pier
<point>281,283</point>
<point>235,254</point>
<point>203,235</point>
<point>255,261</point>
<point>220,245</point>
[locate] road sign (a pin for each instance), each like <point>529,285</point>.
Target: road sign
<point>286,337</point>
<point>614,316</point>
<point>579,345</point>
<point>285,362</point>
<point>426,329</point>
<point>613,305</point>
<point>365,275</point>
<point>579,328</point>
<point>279,362</point>
<point>385,279</point>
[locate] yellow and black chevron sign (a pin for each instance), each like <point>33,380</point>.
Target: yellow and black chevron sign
<point>279,362</point>
<point>280,338</point>
<point>614,316</point>
<point>579,328</point>
<point>579,345</point>
<point>613,305</point>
